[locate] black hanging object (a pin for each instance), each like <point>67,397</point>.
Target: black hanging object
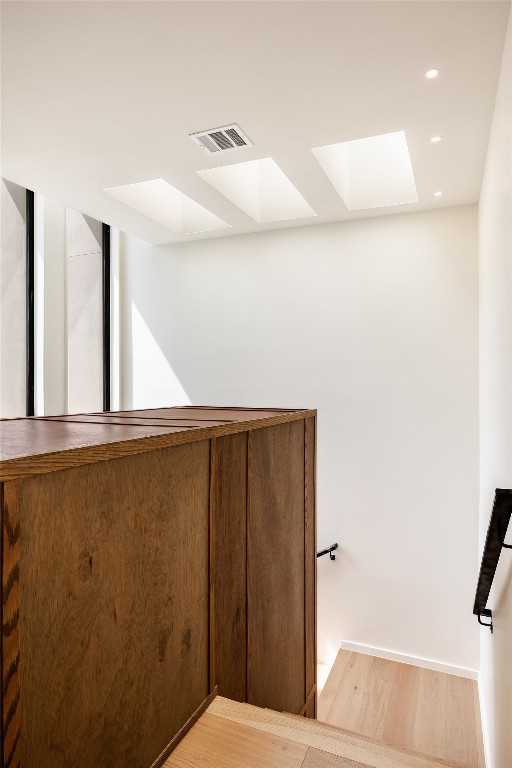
<point>329,551</point>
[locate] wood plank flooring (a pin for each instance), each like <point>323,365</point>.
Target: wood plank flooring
<point>431,713</point>
<point>214,742</point>
<point>235,735</point>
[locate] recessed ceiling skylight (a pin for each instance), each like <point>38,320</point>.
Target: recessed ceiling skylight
<point>164,203</point>
<point>261,189</point>
<point>370,173</point>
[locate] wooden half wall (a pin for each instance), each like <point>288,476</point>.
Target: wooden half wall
<point>136,585</point>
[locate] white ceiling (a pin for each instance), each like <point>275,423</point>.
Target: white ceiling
<point>102,94</point>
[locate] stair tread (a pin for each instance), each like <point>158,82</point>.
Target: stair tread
<point>322,736</point>
<point>424,711</point>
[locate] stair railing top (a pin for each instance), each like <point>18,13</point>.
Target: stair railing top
<point>494,543</point>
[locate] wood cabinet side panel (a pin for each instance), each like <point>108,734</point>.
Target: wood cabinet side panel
<point>10,641</point>
<point>276,632</point>
<point>229,499</point>
<point>310,558</point>
<point>115,604</point>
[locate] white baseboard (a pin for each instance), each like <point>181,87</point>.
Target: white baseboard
<point>416,661</point>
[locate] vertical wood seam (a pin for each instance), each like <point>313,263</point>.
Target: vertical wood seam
<point>212,672</point>
<point>248,568</point>
<point>2,623</point>
<point>306,555</point>
<point>315,573</point>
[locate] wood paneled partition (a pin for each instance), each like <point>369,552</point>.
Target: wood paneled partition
<point>149,558</point>
<point>275,566</point>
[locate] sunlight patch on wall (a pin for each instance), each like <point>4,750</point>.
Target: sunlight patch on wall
<point>154,382</point>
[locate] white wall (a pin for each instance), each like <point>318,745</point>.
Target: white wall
<point>69,311</point>
<point>375,323</point>
<point>55,341</point>
<point>495,272</point>
<point>13,383</point>
<point>84,294</point>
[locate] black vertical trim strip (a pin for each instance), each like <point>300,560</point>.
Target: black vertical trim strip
<point>30,330</point>
<point>105,247</point>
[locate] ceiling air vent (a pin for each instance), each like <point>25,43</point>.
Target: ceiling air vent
<point>221,139</point>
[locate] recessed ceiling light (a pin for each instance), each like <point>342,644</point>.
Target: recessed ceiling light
<point>261,189</point>
<point>436,139</point>
<point>162,202</point>
<point>370,173</point>
<point>437,194</point>
<point>431,73</point>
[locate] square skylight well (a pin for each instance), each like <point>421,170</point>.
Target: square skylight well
<point>162,202</point>
<point>261,189</point>
<point>370,173</point>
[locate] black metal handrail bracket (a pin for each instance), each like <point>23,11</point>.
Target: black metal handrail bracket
<point>494,543</point>
<point>329,551</point>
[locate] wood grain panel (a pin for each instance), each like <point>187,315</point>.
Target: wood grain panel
<point>115,620</point>
<point>332,685</point>
<point>38,446</point>
<point>324,737</point>
<point>346,709</point>
<point>409,707</point>
<point>11,703</point>
<point>229,505</point>
<point>311,707</point>
<point>184,730</point>
<point>131,421</point>
<point>310,559</point>
<point>276,636</point>
<point>316,758</point>
<point>378,693</point>
<point>35,438</point>
<point>462,743</point>
<point>479,734</point>
<point>216,743</point>
<point>201,413</point>
<point>429,730</point>
<point>402,706</point>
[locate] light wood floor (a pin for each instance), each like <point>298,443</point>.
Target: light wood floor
<point>431,713</point>
<point>234,735</point>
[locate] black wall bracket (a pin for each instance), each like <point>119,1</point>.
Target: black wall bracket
<point>488,614</point>
<point>501,529</point>
<point>329,551</point>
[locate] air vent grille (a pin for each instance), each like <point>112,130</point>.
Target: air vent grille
<point>224,139</point>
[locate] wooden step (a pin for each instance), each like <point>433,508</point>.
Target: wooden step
<point>423,711</point>
<point>377,742</point>
<point>234,735</point>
